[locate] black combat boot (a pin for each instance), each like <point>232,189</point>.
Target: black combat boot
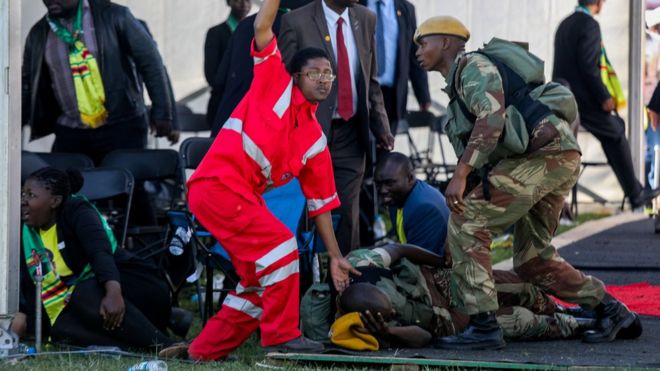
<point>577,312</point>
<point>611,317</point>
<point>584,325</point>
<point>483,332</point>
<point>633,331</point>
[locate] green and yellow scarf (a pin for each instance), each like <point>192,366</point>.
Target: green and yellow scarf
<point>55,294</point>
<point>87,81</point>
<point>611,80</point>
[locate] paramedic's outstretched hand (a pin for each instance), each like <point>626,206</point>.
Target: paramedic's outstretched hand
<point>339,266</point>
<point>339,270</point>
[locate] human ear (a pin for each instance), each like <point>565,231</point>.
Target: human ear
<point>446,43</point>
<point>56,202</point>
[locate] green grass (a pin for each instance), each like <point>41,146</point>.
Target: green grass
<point>501,248</point>
<point>250,356</point>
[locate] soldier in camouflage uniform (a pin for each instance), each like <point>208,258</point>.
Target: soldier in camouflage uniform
<point>526,189</point>
<point>420,297</point>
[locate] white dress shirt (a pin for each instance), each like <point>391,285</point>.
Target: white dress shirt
<point>331,18</point>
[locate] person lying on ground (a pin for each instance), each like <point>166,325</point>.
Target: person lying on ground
<point>404,298</point>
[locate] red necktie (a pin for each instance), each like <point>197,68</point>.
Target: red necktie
<point>345,93</point>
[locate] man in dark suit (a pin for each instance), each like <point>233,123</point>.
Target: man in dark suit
<point>395,56</point>
<point>345,30</point>
<point>215,46</point>
<point>577,60</point>
<point>234,75</point>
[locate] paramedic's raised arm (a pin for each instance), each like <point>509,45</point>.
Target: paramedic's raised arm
<point>263,23</point>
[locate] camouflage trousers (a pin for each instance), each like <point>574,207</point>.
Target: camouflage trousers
<point>522,324</point>
<point>528,193</point>
<point>527,312</point>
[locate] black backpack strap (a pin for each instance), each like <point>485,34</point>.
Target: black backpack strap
<point>371,274</point>
<point>516,93</point>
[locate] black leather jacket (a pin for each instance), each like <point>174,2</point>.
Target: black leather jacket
<point>123,47</point>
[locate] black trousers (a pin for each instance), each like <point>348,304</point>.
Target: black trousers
<point>96,143</point>
<point>610,131</point>
<point>348,161</point>
<point>147,301</point>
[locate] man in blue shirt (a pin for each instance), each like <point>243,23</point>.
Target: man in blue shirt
<point>418,211</point>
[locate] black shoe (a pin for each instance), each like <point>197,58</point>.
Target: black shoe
<point>299,344</point>
<point>633,331</point>
<point>585,324</point>
<point>175,351</point>
<point>483,332</point>
<point>611,317</point>
<point>644,196</point>
<point>180,321</point>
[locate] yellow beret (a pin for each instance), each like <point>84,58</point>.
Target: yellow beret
<point>442,25</point>
<point>344,333</point>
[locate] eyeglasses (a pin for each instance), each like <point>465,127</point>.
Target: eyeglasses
<point>316,76</point>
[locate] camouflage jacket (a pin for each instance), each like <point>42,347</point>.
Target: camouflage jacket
<point>475,80</point>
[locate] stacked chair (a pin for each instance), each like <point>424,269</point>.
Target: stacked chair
<point>190,122</point>
<point>111,190</point>
<point>160,170</point>
<point>423,159</point>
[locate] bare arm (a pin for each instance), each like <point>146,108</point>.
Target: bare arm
<point>263,23</point>
<point>339,266</point>
<point>410,336</point>
<point>415,254</point>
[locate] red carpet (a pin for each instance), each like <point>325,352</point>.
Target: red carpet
<point>639,297</point>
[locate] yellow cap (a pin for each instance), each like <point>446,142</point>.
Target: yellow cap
<point>442,25</point>
<point>344,333</point>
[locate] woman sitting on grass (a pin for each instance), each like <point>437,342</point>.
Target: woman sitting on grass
<point>93,292</point>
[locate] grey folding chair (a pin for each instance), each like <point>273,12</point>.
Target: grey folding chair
<point>111,189</point>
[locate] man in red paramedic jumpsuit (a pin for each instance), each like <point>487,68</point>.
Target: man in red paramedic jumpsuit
<point>271,137</point>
